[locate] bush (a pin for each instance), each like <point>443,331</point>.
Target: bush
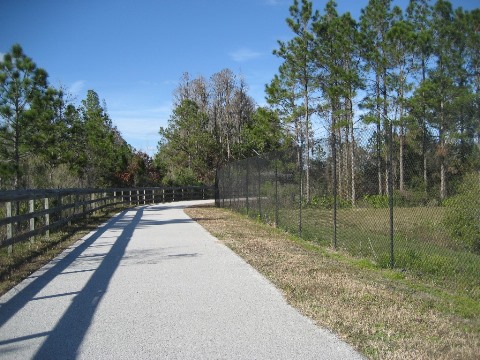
<point>463,215</point>
<point>377,201</point>
<point>326,202</point>
<point>412,198</point>
<point>400,199</point>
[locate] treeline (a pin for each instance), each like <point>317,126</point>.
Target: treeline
<point>409,77</point>
<point>391,97</point>
<point>213,122</point>
<point>389,100</point>
<point>48,142</point>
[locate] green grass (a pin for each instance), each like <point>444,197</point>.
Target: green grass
<point>422,247</point>
<point>385,313</point>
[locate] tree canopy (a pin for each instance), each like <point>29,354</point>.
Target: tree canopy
<point>46,141</point>
<point>406,77</point>
<point>214,122</point>
<point>391,99</point>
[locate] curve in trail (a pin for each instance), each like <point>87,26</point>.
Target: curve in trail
<point>154,284</point>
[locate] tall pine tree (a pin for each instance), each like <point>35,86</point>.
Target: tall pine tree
<point>20,83</point>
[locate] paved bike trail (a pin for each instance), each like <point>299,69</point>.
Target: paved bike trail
<point>153,284</point>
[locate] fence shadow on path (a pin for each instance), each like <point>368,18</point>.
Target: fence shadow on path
<point>29,292</point>
<point>65,339</point>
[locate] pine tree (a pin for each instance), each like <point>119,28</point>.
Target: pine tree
<point>20,83</point>
<point>419,15</point>
<point>337,60</point>
<point>104,153</point>
<point>299,68</point>
<point>375,23</point>
<point>187,151</point>
<point>441,83</point>
<point>473,66</point>
<point>400,38</point>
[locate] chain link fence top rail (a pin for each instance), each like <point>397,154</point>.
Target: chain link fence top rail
<point>407,229</point>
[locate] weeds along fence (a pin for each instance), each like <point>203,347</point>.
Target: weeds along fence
<point>408,230</point>
<point>25,214</point>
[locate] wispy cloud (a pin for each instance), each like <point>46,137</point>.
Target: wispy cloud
<point>76,88</point>
<point>140,127</point>
<point>148,83</point>
<point>159,112</point>
<point>244,54</point>
<point>170,82</point>
<point>272,2</point>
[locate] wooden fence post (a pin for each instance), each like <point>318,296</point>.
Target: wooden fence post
<point>75,204</point>
<point>32,220</point>
<point>47,219</point>
<point>60,214</point>
<point>94,203</point>
<point>70,211</point>
<point>9,227</point>
<point>84,208</point>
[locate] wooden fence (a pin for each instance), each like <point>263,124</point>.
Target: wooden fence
<point>25,214</point>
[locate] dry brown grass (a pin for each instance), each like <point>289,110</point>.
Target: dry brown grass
<point>382,314</point>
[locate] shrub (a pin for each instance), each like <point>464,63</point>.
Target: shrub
<point>377,201</point>
<point>411,198</point>
<point>400,199</point>
<point>463,215</point>
<point>326,202</point>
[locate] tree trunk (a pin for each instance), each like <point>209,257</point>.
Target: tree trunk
<point>339,160</point>
<point>307,144</point>
<point>16,149</point>
<point>333,144</point>
<point>443,185</point>
<point>402,135</point>
<point>401,160</point>
<point>379,136</point>
<point>424,129</point>
<point>443,175</point>
<point>352,149</point>
<point>388,132</point>
<point>346,160</point>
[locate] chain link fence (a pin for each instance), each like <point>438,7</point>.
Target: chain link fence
<point>359,197</point>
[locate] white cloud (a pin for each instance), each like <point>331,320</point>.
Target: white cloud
<point>273,2</point>
<point>170,82</point>
<point>1,56</point>
<point>244,54</point>
<point>140,127</point>
<point>76,88</point>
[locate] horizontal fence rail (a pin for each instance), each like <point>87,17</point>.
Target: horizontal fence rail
<point>25,214</point>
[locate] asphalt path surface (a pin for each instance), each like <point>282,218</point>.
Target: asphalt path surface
<point>153,284</point>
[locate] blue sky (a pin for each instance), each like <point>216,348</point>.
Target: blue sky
<point>133,52</point>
